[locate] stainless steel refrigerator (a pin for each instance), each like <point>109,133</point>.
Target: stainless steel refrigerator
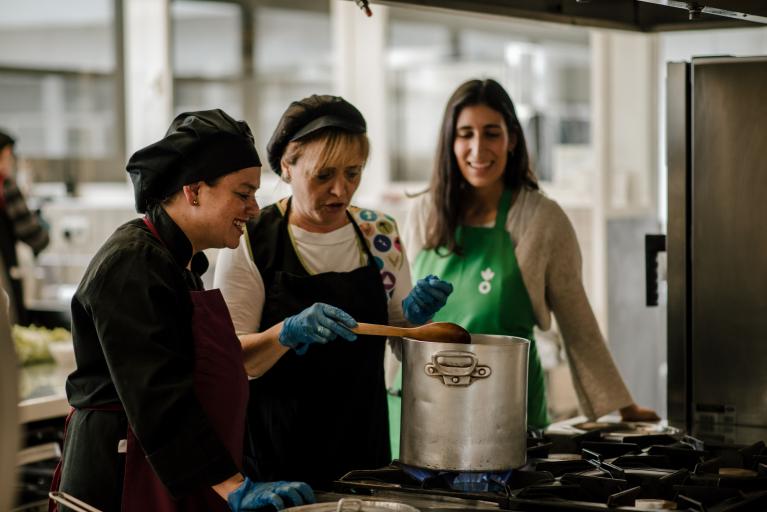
<point>717,247</point>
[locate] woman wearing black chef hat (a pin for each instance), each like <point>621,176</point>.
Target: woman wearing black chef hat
<point>319,396</point>
<point>159,394</point>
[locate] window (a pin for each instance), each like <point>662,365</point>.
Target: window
<point>292,58</point>
<point>60,97</point>
<point>207,63</point>
<point>544,68</point>
<point>250,59</point>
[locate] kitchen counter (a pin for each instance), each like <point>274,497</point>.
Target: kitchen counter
<point>581,424</point>
<point>41,392</point>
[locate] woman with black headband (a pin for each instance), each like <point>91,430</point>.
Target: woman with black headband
<point>318,394</point>
<point>159,394</point>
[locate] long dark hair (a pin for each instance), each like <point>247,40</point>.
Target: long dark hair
<point>448,186</point>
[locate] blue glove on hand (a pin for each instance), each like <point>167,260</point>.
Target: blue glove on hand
<point>425,299</point>
<point>251,495</point>
<point>318,323</point>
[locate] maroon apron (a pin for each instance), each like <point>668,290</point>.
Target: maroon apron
<point>221,387</point>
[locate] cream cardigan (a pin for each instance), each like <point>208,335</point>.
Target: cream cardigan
<point>550,262</point>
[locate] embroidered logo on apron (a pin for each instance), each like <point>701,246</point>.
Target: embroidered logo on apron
<point>487,276</point>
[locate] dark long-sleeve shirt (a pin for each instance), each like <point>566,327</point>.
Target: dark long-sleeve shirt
<point>17,223</point>
<point>26,226</point>
<point>131,323</point>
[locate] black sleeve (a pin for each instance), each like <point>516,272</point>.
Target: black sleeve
<point>26,225</point>
<point>142,314</point>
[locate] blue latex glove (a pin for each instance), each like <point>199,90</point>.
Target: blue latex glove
<point>252,495</point>
<point>425,299</point>
<point>318,323</point>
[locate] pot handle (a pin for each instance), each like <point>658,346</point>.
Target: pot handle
<point>351,502</point>
<point>456,367</point>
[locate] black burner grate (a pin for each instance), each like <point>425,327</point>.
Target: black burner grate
<point>596,471</point>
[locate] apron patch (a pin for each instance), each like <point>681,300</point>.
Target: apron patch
<point>368,215</point>
<point>395,259</point>
<point>385,227</point>
<point>487,276</point>
<point>389,281</point>
<point>382,243</point>
<point>367,229</point>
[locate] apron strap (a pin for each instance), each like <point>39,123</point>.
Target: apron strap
<point>149,224</point>
<point>504,204</point>
<point>357,230</point>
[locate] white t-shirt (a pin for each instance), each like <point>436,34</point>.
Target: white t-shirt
<point>338,251</point>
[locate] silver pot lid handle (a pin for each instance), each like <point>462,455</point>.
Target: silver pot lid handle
<point>354,502</point>
<point>457,367</point>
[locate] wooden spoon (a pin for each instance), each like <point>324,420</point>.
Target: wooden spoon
<point>441,332</point>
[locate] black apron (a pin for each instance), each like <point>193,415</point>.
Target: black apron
<point>315,417</point>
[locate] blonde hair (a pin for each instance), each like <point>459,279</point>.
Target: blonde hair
<point>335,146</point>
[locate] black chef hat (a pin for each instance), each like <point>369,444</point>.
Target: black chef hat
<point>309,115</point>
<point>198,146</point>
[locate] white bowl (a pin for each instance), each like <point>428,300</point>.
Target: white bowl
<point>63,353</point>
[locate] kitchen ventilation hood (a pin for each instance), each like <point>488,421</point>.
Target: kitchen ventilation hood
<point>643,16</point>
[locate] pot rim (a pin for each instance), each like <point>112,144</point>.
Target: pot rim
<point>480,340</point>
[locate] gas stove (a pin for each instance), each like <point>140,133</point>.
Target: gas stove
<point>586,467</point>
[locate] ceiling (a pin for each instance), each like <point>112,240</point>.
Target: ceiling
<point>637,15</point>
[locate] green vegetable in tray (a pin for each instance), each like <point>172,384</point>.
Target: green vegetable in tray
<point>32,342</point>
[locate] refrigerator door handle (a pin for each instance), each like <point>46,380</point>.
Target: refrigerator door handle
<point>653,245</point>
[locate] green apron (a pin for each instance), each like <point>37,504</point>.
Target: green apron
<point>489,296</point>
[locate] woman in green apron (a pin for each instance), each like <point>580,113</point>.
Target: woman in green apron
<point>509,251</point>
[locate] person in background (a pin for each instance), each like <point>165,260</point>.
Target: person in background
<point>310,267</point>
<point>17,224</point>
<point>159,394</point>
<point>510,251</point>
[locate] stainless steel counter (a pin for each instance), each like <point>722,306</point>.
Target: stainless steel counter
<point>41,392</point>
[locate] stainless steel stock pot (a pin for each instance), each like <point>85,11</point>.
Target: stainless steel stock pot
<point>464,407</point>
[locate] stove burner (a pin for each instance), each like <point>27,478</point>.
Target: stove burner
<point>492,482</point>
<point>591,471</point>
<point>470,481</point>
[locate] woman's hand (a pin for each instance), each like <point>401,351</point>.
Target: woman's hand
<point>318,323</point>
<point>634,412</point>
<point>427,297</point>
<point>250,495</point>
